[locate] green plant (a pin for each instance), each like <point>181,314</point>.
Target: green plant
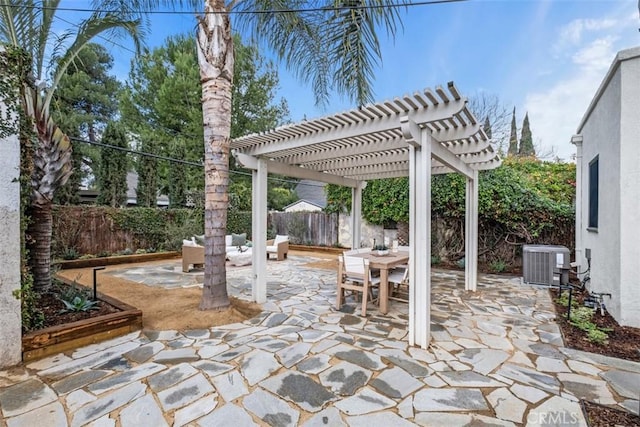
<point>70,253</point>
<point>76,298</point>
<point>87,256</point>
<point>597,336</point>
<point>32,317</point>
<point>381,248</point>
<point>103,254</point>
<point>78,304</point>
<point>461,263</point>
<point>141,251</point>
<point>581,319</point>
<point>498,266</point>
<point>127,251</point>
<point>435,260</point>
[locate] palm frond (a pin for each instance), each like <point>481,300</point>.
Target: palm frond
<point>97,24</point>
<point>294,37</point>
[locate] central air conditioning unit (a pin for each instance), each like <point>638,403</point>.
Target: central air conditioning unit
<point>543,264</point>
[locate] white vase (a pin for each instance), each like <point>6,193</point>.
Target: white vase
<point>384,252</point>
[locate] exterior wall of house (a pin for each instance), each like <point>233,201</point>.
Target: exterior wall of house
<point>630,194</point>
<point>302,206</point>
<point>10,319</point>
<point>611,131</point>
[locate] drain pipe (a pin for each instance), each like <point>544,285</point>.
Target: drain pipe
<point>577,141</point>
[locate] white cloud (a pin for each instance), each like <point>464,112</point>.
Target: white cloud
<point>572,33</point>
<point>556,112</point>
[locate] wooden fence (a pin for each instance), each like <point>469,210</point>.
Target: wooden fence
<point>306,228</point>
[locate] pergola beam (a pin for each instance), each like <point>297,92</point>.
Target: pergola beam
<point>251,162</point>
<point>440,112</point>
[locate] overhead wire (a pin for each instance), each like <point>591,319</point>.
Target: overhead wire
<point>250,12</point>
<point>180,161</point>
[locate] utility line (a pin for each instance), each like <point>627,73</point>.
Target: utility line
<point>174,160</point>
<point>250,12</point>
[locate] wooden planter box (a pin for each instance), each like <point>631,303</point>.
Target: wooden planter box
<point>57,339</point>
<point>117,259</point>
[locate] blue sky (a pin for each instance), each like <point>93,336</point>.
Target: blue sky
<point>544,57</point>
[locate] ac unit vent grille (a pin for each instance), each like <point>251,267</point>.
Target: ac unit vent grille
<point>540,263</point>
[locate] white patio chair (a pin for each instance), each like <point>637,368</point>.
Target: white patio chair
<point>354,275</point>
<point>399,284</point>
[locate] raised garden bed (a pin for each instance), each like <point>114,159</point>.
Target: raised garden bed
<point>120,319</point>
<point>114,260</point>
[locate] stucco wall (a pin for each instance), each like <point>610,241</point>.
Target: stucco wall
<point>10,320</point>
<point>630,194</point>
<point>368,232</point>
<point>611,130</point>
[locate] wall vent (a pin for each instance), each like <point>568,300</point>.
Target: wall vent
<point>541,264</point>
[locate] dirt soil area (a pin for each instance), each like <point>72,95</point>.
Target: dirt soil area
<point>177,309</point>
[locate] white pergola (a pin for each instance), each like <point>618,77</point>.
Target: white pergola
<point>430,132</point>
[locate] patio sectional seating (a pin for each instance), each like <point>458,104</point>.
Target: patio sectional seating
<point>193,252</point>
<point>278,246</point>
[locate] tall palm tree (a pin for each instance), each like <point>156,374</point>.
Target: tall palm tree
<point>27,25</point>
<point>330,44</point>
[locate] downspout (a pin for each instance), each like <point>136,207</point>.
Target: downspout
<point>577,141</point>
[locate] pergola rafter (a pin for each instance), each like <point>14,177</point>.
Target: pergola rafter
<point>429,132</point>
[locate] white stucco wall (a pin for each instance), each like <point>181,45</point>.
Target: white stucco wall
<point>303,206</point>
<point>630,193</point>
<point>368,232</point>
<point>10,320</point>
<point>611,131</point>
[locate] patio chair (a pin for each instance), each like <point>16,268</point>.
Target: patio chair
<point>399,284</point>
<point>278,246</point>
<point>354,275</point>
<point>192,255</point>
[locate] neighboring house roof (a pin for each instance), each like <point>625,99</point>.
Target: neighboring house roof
<point>302,201</point>
<point>132,184</point>
<point>312,192</point>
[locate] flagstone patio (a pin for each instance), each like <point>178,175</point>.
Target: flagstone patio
<point>496,358</point>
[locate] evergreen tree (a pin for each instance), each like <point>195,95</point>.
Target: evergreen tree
<point>178,175</point>
<point>513,139</point>
<point>487,127</point>
<point>147,168</point>
<point>526,140</point>
<point>112,178</point>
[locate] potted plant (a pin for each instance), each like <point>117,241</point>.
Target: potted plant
<point>381,250</point>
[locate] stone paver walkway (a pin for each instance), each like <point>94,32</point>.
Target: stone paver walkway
<point>496,358</point>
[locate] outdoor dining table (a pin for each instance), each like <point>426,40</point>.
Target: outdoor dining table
<point>385,263</point>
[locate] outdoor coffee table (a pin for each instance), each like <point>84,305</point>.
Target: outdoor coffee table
<point>240,258</point>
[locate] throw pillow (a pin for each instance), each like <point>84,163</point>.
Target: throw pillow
<point>199,240</point>
<point>188,243</point>
<point>238,239</point>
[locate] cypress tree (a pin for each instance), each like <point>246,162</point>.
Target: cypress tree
<point>112,179</point>
<point>513,139</point>
<point>526,140</point>
<point>487,127</point>
<point>178,176</point>
<point>147,190</point>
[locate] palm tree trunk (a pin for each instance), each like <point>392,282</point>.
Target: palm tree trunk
<point>215,57</point>
<point>39,245</point>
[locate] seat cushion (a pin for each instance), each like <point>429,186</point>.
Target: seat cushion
<point>280,238</point>
<point>272,248</point>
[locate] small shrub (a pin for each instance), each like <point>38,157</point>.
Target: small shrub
<point>141,251</point>
<point>70,253</point>
<point>103,254</point>
<point>435,260</point>
<point>79,304</point>
<point>498,266</point>
<point>460,263</point>
<point>127,251</point>
<point>597,336</point>
<point>87,256</point>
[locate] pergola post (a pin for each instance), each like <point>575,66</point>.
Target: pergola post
<point>471,233</point>
<point>419,236</point>
<point>259,231</point>
<point>356,214</point>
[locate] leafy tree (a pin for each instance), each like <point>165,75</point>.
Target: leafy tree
<point>513,139</point>
<point>336,47</point>
<point>28,25</point>
<point>112,179</point>
<point>526,140</point>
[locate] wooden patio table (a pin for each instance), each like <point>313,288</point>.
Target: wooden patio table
<point>385,263</point>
